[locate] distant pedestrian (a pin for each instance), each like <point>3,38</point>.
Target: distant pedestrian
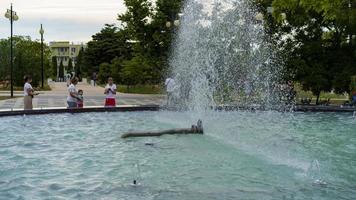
<point>353,99</point>
<point>291,93</point>
<point>110,91</point>
<point>28,93</point>
<point>94,78</point>
<point>80,99</point>
<point>72,99</point>
<point>170,88</point>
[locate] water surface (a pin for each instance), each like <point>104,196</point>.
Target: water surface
<point>243,155</point>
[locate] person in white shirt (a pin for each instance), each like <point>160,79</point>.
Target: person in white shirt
<point>73,97</point>
<point>110,91</point>
<point>170,88</point>
<point>28,93</point>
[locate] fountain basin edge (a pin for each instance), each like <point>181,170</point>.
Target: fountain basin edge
<point>133,108</point>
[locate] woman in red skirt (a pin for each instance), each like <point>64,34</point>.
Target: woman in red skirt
<point>110,91</point>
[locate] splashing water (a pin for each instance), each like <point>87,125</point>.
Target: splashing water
<point>315,173</point>
<point>137,174</point>
<point>222,56</point>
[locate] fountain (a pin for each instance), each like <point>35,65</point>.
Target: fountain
<point>222,56</point>
<point>314,172</point>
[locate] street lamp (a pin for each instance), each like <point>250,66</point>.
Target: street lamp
<point>259,16</point>
<point>12,16</point>
<point>42,70</point>
<point>175,22</point>
<point>350,31</point>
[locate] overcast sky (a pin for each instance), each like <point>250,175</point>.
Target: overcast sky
<point>70,20</point>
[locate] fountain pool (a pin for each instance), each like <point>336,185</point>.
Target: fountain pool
<point>242,155</point>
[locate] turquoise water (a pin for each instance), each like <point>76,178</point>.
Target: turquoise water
<point>243,155</point>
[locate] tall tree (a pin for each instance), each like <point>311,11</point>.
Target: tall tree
<point>109,43</point>
<point>27,59</point>
<point>54,67</point>
<point>70,65</point>
<point>136,21</point>
<point>314,37</point>
<point>61,70</point>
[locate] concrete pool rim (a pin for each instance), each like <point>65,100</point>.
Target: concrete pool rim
<point>138,108</point>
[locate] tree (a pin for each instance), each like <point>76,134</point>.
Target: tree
<point>132,72</point>
<point>70,65</point>
<point>109,43</point>
<point>116,68</point>
<point>104,72</point>
<point>61,70</point>
<point>54,67</point>
<point>4,59</point>
<point>136,22</point>
<point>27,59</point>
<point>146,26</point>
<point>314,37</point>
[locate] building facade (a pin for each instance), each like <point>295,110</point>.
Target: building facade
<point>65,52</point>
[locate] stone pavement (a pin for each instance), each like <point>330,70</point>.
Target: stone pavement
<point>93,96</point>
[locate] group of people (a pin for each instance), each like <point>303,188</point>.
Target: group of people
<point>75,97</point>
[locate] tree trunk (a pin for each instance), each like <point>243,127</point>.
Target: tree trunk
<point>317,98</point>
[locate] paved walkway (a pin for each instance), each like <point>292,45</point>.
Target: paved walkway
<point>93,96</point>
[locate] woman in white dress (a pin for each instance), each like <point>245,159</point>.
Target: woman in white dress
<point>28,93</point>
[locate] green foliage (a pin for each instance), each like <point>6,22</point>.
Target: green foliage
<point>4,60</point>
<point>116,67</point>
<point>81,64</point>
<point>54,65</point>
<point>27,60</point>
<point>109,43</point>
<point>138,51</point>
<point>61,70</point>
<point>70,65</point>
<point>134,71</point>
<point>104,72</point>
<point>314,39</point>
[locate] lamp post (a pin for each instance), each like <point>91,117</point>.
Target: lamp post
<point>42,69</point>
<point>175,22</point>
<point>350,24</point>
<point>12,16</point>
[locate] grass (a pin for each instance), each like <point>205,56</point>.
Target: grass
<point>141,89</point>
<point>337,99</point>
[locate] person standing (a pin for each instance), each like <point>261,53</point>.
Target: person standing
<point>110,91</point>
<point>170,87</point>
<point>94,78</point>
<point>73,97</point>
<point>353,99</point>
<point>80,101</point>
<point>28,93</point>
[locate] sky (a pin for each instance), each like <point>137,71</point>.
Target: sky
<point>63,20</point>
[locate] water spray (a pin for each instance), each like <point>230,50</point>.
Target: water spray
<point>319,180</point>
<point>137,175</point>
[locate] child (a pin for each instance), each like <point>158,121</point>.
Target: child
<point>110,91</point>
<point>80,99</point>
